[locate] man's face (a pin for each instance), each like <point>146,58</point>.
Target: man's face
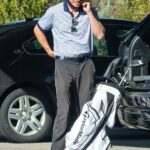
<point>76,3</point>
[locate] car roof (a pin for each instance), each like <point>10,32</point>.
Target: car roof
<point>22,21</point>
<point>104,21</point>
<point>119,22</point>
<point>14,24</point>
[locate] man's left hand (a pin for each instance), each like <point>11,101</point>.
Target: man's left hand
<point>86,6</point>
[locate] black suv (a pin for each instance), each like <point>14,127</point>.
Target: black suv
<point>27,92</point>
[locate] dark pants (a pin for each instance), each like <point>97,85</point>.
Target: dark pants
<point>73,81</point>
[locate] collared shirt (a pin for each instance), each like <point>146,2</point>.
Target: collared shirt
<point>67,43</point>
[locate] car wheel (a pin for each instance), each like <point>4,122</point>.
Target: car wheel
<point>25,116</point>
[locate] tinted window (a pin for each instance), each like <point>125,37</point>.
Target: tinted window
<point>109,46</point>
<point>32,46</point>
<point>100,47</point>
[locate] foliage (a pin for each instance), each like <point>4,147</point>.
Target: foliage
<point>11,10</point>
<point>126,9</point>
<point>138,9</point>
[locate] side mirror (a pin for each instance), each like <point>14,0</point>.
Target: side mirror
<point>136,63</point>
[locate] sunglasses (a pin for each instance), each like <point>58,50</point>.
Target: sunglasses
<point>74,24</point>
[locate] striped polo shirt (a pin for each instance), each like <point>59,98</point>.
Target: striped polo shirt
<point>68,43</point>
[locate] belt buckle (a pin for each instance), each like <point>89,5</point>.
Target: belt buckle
<point>60,57</point>
<point>83,58</point>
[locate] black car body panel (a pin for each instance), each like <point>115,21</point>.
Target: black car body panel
<point>25,67</point>
<point>16,65</point>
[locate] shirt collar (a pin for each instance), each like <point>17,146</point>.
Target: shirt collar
<point>66,7</point>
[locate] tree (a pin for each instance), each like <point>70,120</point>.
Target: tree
<point>127,9</point>
<point>11,10</point>
<point>137,9</point>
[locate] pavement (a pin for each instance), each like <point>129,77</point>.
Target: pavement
<point>26,146</point>
<point>122,139</point>
<point>47,145</point>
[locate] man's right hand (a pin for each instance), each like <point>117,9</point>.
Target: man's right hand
<point>51,54</point>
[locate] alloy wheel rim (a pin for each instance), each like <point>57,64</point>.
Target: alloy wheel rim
<point>26,115</point>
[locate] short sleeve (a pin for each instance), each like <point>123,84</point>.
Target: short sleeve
<point>46,21</point>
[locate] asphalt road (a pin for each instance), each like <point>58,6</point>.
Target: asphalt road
<point>122,139</point>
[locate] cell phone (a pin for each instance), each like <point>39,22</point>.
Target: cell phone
<point>86,1</point>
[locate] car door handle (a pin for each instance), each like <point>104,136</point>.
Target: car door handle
<point>17,51</point>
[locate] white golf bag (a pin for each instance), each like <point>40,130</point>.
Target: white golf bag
<point>88,131</point>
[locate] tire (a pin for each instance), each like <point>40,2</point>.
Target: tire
<point>25,116</point>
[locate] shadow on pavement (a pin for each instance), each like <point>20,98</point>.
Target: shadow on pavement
<point>130,137</point>
<point>118,136</point>
<point>48,138</point>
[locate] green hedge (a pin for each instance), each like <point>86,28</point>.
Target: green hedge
<point>12,10</point>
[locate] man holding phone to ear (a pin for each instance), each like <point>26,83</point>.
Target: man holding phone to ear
<point>73,24</point>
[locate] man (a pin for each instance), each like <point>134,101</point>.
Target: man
<point>73,23</point>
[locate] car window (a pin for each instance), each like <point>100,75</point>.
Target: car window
<point>33,47</point>
<point>114,35</point>
<point>122,33</point>
<point>100,47</point>
<point>110,44</point>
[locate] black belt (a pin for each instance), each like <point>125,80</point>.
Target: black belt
<point>79,58</point>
